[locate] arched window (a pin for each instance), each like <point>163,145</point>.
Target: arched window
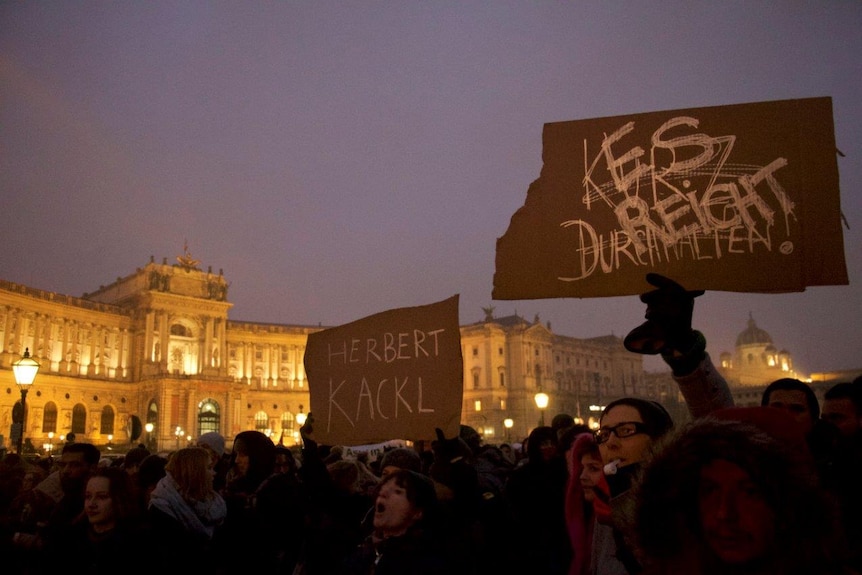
<point>180,330</point>
<point>79,420</point>
<point>261,421</point>
<point>208,417</point>
<point>107,423</point>
<point>49,418</point>
<point>287,422</point>
<point>153,413</point>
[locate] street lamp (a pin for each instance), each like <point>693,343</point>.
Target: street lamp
<point>300,417</point>
<point>508,423</point>
<point>25,370</point>
<point>541,399</point>
<point>149,428</point>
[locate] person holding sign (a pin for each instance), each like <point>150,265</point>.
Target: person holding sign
<point>630,427</point>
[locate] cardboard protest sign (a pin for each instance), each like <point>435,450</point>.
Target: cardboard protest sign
<point>734,198</point>
<point>394,375</point>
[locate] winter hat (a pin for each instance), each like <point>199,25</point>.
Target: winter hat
<point>213,440</point>
<point>654,415</point>
<point>402,458</point>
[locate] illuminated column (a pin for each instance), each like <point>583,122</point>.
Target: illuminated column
<point>208,342</point>
<point>64,344</point>
<point>163,340</point>
<point>273,364</point>
<point>222,342</point>
<point>149,330</point>
<point>20,328</point>
<point>74,351</point>
<point>38,321</point>
<point>94,332</point>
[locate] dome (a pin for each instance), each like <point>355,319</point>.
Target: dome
<point>753,335</point>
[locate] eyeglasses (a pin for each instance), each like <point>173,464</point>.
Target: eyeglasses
<point>624,429</point>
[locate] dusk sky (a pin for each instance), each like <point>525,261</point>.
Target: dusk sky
<point>338,159</point>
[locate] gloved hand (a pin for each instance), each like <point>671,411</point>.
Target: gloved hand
<point>668,326</point>
<point>306,432</point>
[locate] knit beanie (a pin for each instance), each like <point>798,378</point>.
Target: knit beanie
<point>402,458</point>
<point>214,441</point>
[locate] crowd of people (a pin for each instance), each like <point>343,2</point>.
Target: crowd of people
<point>767,490</point>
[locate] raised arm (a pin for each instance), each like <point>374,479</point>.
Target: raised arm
<point>667,331</point>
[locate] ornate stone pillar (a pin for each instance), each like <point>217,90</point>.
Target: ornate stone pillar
<point>149,339</point>
<point>163,341</point>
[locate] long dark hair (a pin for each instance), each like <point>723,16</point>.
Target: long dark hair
<point>667,522</point>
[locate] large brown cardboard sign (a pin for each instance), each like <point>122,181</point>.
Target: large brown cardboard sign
<point>734,198</point>
<point>397,374</point>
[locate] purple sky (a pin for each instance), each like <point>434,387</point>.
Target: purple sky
<point>338,159</point>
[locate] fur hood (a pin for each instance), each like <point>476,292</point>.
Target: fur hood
<point>665,523</point>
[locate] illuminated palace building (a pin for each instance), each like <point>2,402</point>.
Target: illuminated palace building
<point>154,359</point>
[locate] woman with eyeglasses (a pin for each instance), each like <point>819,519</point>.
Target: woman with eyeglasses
<point>630,427</point>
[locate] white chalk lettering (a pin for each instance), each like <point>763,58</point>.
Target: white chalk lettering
<point>681,200</point>
<point>388,347</point>
<point>391,394</point>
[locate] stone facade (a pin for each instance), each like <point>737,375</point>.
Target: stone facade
<point>156,347</point>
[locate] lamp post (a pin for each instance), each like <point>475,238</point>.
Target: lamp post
<point>25,370</point>
<point>178,432</point>
<point>541,399</point>
<point>149,428</point>
<point>300,417</point>
<point>508,423</point>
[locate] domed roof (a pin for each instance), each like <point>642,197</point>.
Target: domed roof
<point>753,335</point>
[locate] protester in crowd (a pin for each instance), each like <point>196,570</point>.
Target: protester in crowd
<point>184,512</point>
<point>406,537</point>
<point>133,459</point>
<point>77,462</point>
<point>281,506</point>
<point>561,423</point>
<point>535,497</point>
<point>253,462</point>
<point>736,493</point>
<point>509,453</point>
<point>835,458</point>
<point>132,464</point>
<point>12,471</point>
<point>629,427</point>
<point>799,401</point>
<point>285,462</point>
<point>796,398</point>
<point>106,536</point>
<point>333,525</point>
<point>150,472</point>
<point>214,442</point>
<point>842,407</point>
<point>586,485</point>
<point>400,458</point>
<point>368,480</point>
<point>24,507</point>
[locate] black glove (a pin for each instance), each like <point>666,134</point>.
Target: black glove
<point>667,328</point>
<point>306,432</point>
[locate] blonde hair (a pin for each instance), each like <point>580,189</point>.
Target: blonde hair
<point>190,468</point>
